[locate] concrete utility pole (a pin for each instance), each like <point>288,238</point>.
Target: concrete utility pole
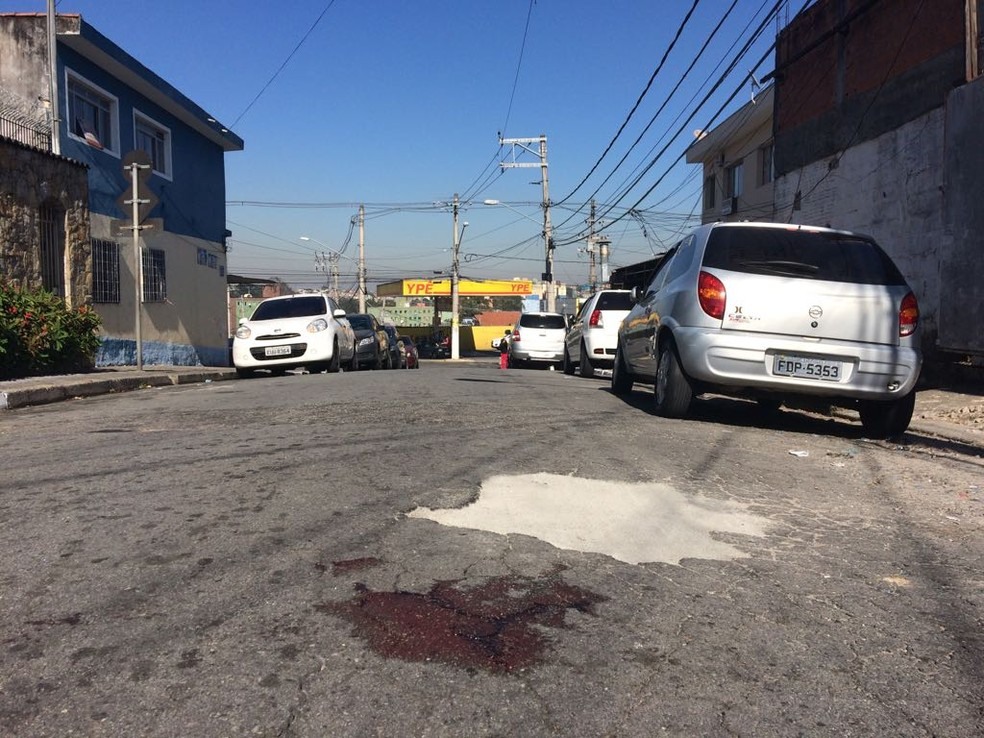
<point>455,279</point>
<point>523,144</point>
<point>53,78</point>
<point>592,274</point>
<point>362,258</point>
<point>973,40</point>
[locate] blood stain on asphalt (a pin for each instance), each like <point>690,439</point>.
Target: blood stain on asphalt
<point>497,626</point>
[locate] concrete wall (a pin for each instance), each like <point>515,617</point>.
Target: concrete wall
<point>891,189</point>
<point>847,72</point>
<point>29,179</point>
<point>191,327</point>
<point>962,264</point>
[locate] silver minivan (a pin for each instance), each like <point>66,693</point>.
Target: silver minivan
<point>537,337</point>
<point>774,311</point>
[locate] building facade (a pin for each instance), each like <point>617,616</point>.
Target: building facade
<point>877,114</point>
<point>107,105</point>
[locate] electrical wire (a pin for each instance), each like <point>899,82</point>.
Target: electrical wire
<point>285,62</point>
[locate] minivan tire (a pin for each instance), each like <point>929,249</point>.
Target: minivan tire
<point>672,391</point>
<point>886,419</point>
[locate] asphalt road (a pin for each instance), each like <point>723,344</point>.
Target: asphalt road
<point>467,551</point>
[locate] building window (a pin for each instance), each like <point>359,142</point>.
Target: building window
<point>733,176</point>
<point>92,114</point>
<point>154,276</point>
<point>155,139</point>
<point>766,169</point>
<point>51,218</point>
<point>709,195</point>
<point>105,271</point>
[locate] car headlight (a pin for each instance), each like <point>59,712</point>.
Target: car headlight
<point>316,326</point>
<point>243,331</point>
<point>367,340</point>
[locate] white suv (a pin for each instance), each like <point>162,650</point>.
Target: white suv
<point>537,337</point>
<point>593,335</point>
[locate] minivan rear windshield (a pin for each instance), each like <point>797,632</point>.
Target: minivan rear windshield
<point>833,257</point>
<point>294,307</point>
<point>542,321</point>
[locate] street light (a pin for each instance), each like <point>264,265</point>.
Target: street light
<point>548,274</point>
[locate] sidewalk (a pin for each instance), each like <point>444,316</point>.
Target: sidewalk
<point>953,412</point>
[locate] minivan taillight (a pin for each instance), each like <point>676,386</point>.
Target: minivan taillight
<point>908,316</point>
<point>711,295</point>
<point>595,320</point>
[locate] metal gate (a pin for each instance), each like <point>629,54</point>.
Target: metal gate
<point>52,222</point>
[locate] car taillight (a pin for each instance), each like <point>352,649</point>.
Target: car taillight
<point>711,295</point>
<point>908,315</point>
<point>515,335</point>
<point>595,320</point>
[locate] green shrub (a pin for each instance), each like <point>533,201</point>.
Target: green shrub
<point>39,334</point>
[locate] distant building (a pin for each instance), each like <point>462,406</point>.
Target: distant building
<point>737,161</point>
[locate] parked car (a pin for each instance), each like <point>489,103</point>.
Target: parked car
<point>396,350</point>
<point>776,311</point>
<point>372,342</point>
<point>308,331</point>
<point>537,337</point>
<point>413,357</point>
<point>593,335</point>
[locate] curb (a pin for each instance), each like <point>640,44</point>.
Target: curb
<point>43,394</point>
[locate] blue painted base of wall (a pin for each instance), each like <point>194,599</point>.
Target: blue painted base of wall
<point>123,352</point>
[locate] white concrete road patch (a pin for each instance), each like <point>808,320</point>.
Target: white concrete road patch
<point>635,523</point>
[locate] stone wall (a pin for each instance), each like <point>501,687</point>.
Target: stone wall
<point>30,178</point>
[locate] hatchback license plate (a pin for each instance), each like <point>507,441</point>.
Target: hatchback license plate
<point>277,351</point>
<point>800,366</point>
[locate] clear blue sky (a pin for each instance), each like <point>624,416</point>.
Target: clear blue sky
<point>398,104</point>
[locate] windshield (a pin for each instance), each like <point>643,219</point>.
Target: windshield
<point>292,307</point>
<point>360,322</point>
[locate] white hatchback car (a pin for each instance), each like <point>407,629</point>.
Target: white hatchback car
<point>537,337</point>
<point>775,311</point>
<point>294,331</point>
<point>593,335</point>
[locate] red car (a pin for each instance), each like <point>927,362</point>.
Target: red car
<point>413,357</point>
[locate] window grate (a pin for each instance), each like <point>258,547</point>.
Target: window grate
<point>154,276</point>
<point>105,271</point>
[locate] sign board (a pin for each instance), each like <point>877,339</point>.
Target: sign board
<point>466,288</point>
<point>148,200</point>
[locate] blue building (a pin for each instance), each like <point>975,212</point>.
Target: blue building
<point>107,105</point>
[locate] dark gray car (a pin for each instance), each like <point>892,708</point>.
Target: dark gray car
<point>371,342</point>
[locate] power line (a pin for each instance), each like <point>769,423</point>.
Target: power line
<point>286,61</point>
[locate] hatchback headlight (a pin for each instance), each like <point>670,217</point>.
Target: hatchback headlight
<point>367,340</point>
<point>316,326</point>
<point>243,331</point>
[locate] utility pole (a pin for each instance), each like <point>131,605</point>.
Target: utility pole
<point>328,263</point>
<point>53,78</point>
<point>362,258</point>
<point>524,145</point>
<point>592,274</point>
<point>455,307</point>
